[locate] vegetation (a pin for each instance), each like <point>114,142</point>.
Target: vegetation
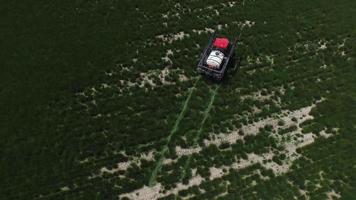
<point>100,98</point>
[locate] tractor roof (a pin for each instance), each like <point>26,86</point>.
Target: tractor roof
<point>221,43</point>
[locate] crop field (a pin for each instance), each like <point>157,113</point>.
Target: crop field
<point>102,100</point>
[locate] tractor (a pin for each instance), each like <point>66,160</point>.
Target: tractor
<point>217,57</point>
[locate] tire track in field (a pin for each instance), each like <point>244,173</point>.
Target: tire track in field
<point>200,130</point>
<point>165,149</point>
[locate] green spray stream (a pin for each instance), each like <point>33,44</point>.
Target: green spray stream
<point>200,130</point>
<point>162,153</point>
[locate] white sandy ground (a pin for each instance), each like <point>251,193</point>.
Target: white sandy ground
<point>148,78</point>
<point>322,44</point>
<point>252,129</point>
<point>209,30</point>
<point>265,59</point>
<point>123,166</point>
<point>257,96</point>
<point>215,173</point>
<point>264,160</point>
<point>325,135</point>
<point>145,79</point>
<point>205,31</point>
<point>178,9</point>
<point>187,151</point>
<point>244,24</point>
<point>166,58</point>
<point>169,38</point>
<point>333,195</point>
<point>318,46</point>
<point>303,193</point>
<point>156,191</point>
<point>65,188</point>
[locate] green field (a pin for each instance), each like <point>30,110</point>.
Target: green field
<point>101,100</point>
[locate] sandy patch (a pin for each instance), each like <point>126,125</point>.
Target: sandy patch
<point>170,38</point>
<point>333,195</point>
<point>144,193</point>
<point>151,77</point>
<point>187,151</point>
<point>168,161</point>
<point>155,192</point>
<point>244,24</point>
<point>166,58</point>
<point>65,188</point>
<point>205,31</point>
<point>324,134</point>
<point>252,129</point>
<point>215,173</point>
<point>123,166</point>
